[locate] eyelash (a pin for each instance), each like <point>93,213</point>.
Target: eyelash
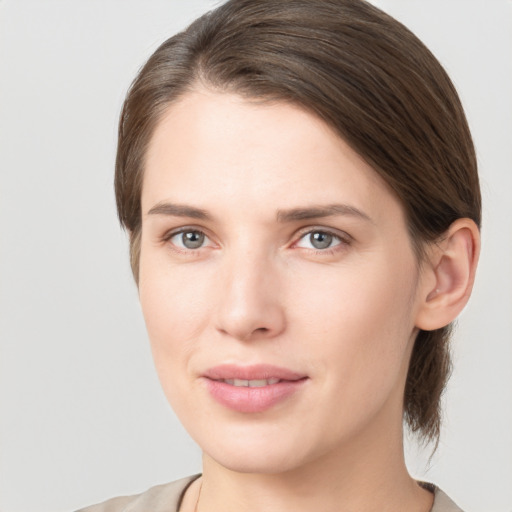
<point>344,240</point>
<point>186,229</point>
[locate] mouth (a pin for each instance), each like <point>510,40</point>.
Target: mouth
<point>256,383</point>
<point>252,389</point>
<point>257,374</point>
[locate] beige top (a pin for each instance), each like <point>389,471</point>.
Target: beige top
<point>167,498</point>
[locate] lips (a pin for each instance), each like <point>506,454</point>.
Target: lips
<point>252,389</point>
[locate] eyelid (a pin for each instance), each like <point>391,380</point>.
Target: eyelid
<point>168,235</point>
<point>344,238</point>
<point>182,229</point>
<point>342,235</point>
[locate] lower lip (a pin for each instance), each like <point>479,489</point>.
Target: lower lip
<point>251,400</point>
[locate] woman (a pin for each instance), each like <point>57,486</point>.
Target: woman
<point>300,189</point>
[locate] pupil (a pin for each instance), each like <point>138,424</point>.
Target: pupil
<point>193,239</point>
<point>320,240</point>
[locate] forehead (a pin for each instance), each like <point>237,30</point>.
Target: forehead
<point>212,146</point>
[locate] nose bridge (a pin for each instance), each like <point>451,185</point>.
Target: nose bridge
<point>249,303</point>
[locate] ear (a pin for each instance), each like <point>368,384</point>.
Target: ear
<point>448,275</point>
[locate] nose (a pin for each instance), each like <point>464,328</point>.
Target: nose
<point>249,302</point>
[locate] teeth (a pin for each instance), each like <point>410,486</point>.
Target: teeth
<point>256,383</point>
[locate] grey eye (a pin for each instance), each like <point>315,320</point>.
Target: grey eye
<point>192,239</point>
<point>320,240</point>
<point>189,239</point>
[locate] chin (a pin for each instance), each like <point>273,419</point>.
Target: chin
<point>241,459</point>
<point>261,449</point>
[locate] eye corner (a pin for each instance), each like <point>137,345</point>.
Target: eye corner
<point>322,240</point>
<point>188,240</point>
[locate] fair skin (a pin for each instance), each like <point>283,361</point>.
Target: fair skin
<point>267,240</point>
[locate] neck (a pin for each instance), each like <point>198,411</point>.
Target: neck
<point>365,477</point>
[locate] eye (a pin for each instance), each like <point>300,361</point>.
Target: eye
<point>319,240</point>
<point>189,239</point>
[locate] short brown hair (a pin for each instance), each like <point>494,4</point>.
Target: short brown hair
<point>364,74</point>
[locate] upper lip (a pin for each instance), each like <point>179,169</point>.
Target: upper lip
<point>251,372</point>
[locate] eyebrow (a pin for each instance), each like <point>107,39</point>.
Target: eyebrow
<point>316,212</point>
<point>179,210</point>
<point>291,215</point>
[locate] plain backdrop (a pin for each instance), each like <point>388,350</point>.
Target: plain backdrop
<point>82,417</point>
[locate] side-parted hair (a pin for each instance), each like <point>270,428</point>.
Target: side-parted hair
<point>370,79</point>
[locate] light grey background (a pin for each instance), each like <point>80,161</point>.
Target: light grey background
<point>82,416</point>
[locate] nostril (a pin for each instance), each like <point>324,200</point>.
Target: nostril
<point>249,317</point>
<point>256,332</point>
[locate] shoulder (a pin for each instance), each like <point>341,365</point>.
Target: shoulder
<point>167,497</point>
<point>442,503</point>
<point>160,498</point>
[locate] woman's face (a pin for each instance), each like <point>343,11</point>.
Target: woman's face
<point>278,284</point>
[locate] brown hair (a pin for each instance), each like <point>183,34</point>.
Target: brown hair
<point>364,74</point>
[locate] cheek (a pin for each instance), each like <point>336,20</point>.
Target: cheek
<point>356,336</point>
<point>176,304</point>
<point>174,309</point>
<point>359,320</point>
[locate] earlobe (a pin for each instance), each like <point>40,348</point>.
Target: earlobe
<point>450,274</point>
